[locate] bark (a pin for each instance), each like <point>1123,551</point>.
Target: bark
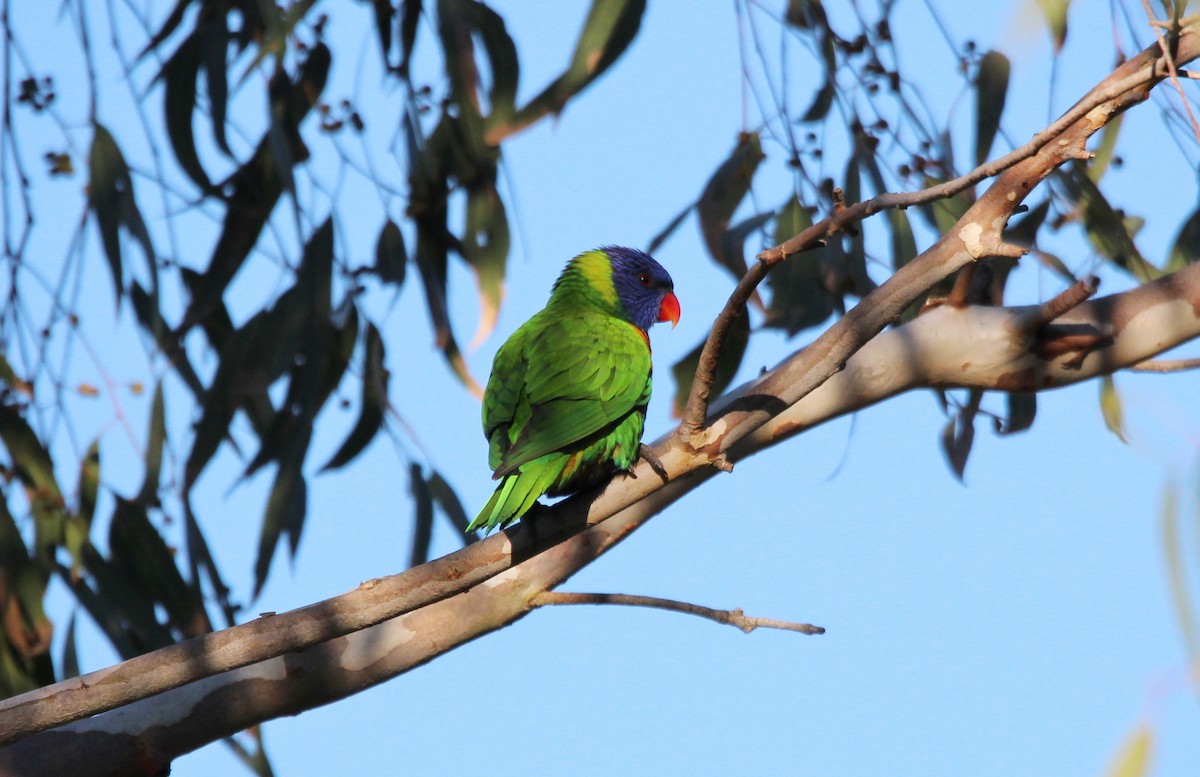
<point>179,698</point>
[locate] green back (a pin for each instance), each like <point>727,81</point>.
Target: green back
<point>568,374</point>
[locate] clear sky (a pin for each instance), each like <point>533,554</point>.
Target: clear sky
<point>1018,624</point>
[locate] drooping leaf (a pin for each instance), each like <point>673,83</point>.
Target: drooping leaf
<point>728,362</point>
<point>904,245</point>
<point>258,184</point>
<point>89,481</point>
<point>171,24</point>
<point>9,378</point>
<point>991,91</point>
<point>306,308</point>
<point>179,75</point>
<point>25,631</point>
<point>806,14</point>
<point>78,526</point>
<point>454,26</point>
<point>202,565</point>
<point>610,27</point>
<point>1054,263</point>
<point>35,469</point>
<point>214,45</point>
<point>110,196</point>
<point>155,438</point>
<point>799,296</point>
<point>1107,230</point>
<point>1186,248</point>
<point>503,62</point>
<point>104,608</point>
<point>410,16</point>
<point>1133,759</point>
<point>733,242</point>
<point>958,435</point>
<point>944,214</point>
<point>1056,19</point>
<point>1022,409</point>
<point>279,26</point>
<point>121,603</point>
<point>445,498</point>
<point>721,196</point>
<point>485,244</point>
<point>13,553</point>
<point>70,654</point>
<point>1177,572</point>
<point>856,253</point>
<point>383,26</point>
<point>374,401</point>
<point>1104,152</point>
<point>141,556</point>
<point>422,519</point>
<point>1110,408</point>
<point>822,101</point>
<point>956,443</point>
<point>286,509</point>
<point>391,258</point>
<point>150,318</point>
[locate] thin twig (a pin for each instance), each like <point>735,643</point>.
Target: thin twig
<point>1173,26</point>
<point>1165,365</point>
<point>697,404</point>
<point>736,617</point>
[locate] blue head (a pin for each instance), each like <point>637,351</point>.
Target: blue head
<point>644,289</point>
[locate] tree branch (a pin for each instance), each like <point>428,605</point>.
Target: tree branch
<point>730,617</point>
<point>540,554</point>
<point>1137,76</point>
<point>972,347</point>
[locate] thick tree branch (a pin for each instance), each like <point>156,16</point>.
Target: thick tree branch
<point>305,660</point>
<point>736,617</point>
<point>972,347</point>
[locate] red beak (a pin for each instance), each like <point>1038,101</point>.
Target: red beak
<point>669,309</point>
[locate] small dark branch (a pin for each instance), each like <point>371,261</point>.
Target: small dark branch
<point>1057,341</point>
<point>958,297</point>
<point>1069,299</point>
<point>1166,365</point>
<point>731,617</point>
<point>845,216</point>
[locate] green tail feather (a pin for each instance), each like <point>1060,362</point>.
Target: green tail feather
<point>512,498</point>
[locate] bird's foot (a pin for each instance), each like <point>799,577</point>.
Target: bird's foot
<point>647,453</point>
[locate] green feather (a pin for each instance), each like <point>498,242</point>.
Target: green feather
<point>566,401</point>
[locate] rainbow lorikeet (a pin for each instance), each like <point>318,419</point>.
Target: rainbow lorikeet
<point>566,401</point>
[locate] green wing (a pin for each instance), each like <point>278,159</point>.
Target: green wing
<point>558,381</point>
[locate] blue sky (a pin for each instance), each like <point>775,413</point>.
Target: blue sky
<point>1020,624</point>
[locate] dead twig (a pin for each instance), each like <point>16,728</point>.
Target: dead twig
<point>736,617</point>
<point>1165,365</point>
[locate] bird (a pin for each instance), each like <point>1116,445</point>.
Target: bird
<point>565,403</point>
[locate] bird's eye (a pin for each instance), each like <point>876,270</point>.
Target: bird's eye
<point>644,279</point>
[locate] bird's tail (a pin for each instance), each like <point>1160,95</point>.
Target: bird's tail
<point>512,498</point>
